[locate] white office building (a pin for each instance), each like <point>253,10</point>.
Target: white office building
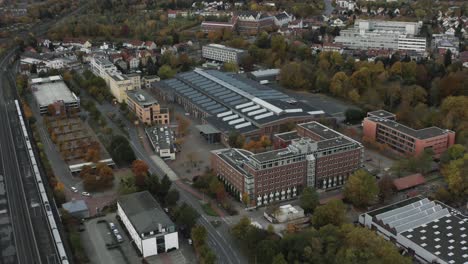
<point>149,227</point>
<point>222,53</point>
<point>377,34</point>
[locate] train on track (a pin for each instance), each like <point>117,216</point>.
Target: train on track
<point>40,185</point>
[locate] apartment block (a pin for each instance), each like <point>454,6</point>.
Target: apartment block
<point>222,53</point>
<point>379,34</point>
<point>323,162</point>
<point>382,127</point>
<point>117,82</point>
<point>147,108</point>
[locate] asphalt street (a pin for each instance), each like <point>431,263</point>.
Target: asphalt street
<point>24,237</point>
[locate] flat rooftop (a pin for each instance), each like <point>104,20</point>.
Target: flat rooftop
<point>161,136</point>
<point>436,228</point>
<point>424,133</point>
<point>219,46</point>
<point>381,114</point>
<point>49,90</point>
<point>142,98</point>
<point>235,102</point>
<point>144,212</point>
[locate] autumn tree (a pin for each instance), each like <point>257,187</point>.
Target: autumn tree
<point>140,169</point>
<point>183,124</point>
<point>292,76</point>
<point>385,186</point>
<point>230,67</point>
<point>361,188</point>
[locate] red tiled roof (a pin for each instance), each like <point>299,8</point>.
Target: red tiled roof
<point>409,181</point>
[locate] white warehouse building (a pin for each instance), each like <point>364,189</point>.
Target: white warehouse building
<point>222,53</point>
<point>377,34</point>
<point>149,227</point>
<point>429,231</point>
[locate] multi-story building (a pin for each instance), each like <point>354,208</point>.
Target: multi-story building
<point>222,53</point>
<point>377,34</point>
<point>149,227</point>
<point>429,231</point>
<point>233,103</point>
<point>148,80</point>
<point>381,126</point>
<point>101,66</point>
<point>147,108</point>
<point>210,26</point>
<point>53,91</point>
<point>315,156</point>
<point>253,22</point>
<point>117,82</point>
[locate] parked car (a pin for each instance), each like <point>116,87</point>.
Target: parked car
<point>112,226</point>
<point>116,231</point>
<point>74,189</point>
<point>86,194</point>
<point>119,238</point>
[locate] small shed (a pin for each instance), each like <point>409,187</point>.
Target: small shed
<point>409,181</point>
<point>77,208</point>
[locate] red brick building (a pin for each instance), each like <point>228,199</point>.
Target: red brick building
<point>381,127</point>
<point>324,161</point>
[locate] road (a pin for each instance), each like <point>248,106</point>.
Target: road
<point>19,207</point>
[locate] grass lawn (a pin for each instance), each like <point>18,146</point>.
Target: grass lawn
<point>208,210</point>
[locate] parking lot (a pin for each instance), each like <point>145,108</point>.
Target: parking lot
<point>98,234</point>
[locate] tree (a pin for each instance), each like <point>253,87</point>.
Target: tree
<point>186,216</point>
<point>292,76</point>
<point>448,58</point>
<point>121,151</point>
<point>279,259</point>
<point>230,67</point>
<point>454,152</point>
<point>164,188</point>
<point>309,199</point>
<point>171,198</point>
<point>385,186</point>
<point>456,176</point>
<point>331,213</point>
<point>183,125</point>
<point>140,170</point>
<point>236,140</point>
<point>199,235</point>
<point>240,229</point>
<point>361,188</point>
<point>354,115</point>
<point>166,72</point>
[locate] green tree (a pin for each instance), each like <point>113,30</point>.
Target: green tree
<point>199,235</point>
<point>230,67</point>
<point>361,188</point>
<point>454,152</point>
<point>171,198</point>
<point>166,72</point>
<point>456,176</point>
<point>279,259</point>
<point>309,199</point>
<point>121,151</point>
<point>186,216</point>
<point>240,229</point>
<point>331,213</point>
<point>354,115</point>
<point>364,246</point>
